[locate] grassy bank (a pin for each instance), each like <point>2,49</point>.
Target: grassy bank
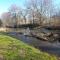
<point>13,49</point>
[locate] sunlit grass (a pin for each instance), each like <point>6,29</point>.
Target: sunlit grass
<point>13,49</point>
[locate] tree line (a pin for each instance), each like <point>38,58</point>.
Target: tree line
<point>34,12</point>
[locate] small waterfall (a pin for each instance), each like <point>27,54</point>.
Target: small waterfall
<point>27,31</point>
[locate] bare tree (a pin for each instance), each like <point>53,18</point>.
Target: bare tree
<point>36,11</point>
<point>11,17</point>
<point>14,10</point>
<point>49,9</point>
<point>32,9</point>
<point>24,15</point>
<point>6,19</point>
<point>39,10</point>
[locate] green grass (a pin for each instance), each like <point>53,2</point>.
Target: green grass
<point>13,49</point>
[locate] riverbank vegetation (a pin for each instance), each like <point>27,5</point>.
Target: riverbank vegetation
<point>13,49</point>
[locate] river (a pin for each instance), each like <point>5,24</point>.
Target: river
<point>52,48</point>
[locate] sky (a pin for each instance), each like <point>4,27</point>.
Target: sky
<point>56,4</point>
<point>5,4</point>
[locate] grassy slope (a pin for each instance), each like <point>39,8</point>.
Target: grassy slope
<point>13,49</point>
